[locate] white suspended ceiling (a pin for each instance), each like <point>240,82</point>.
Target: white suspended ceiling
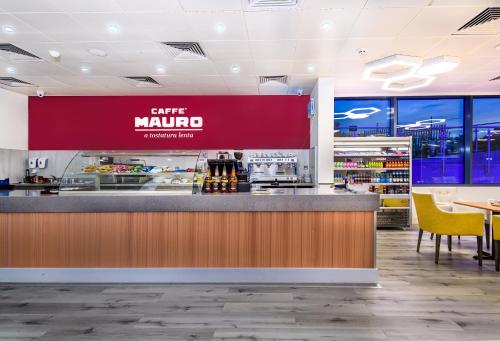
<point>319,39</point>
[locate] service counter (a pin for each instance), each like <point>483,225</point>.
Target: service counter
<point>316,235</point>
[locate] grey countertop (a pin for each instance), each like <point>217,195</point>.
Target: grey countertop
<point>323,198</point>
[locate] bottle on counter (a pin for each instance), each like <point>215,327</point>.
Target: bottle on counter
<point>208,181</point>
<point>216,180</point>
<point>233,181</point>
<point>224,181</point>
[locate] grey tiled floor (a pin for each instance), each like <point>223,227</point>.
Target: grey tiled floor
<point>418,300</point>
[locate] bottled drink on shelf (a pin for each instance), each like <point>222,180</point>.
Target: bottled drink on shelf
<point>233,181</point>
<point>224,181</point>
<point>208,181</point>
<point>216,181</point>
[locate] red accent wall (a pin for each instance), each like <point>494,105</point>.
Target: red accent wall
<point>108,122</point>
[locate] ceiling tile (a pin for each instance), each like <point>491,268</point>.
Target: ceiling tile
<point>149,6</point>
<point>24,32</point>
<point>414,46</point>
<point>460,3</point>
<point>192,68</point>
<point>241,81</point>
<point>212,5</point>
<point>375,48</point>
<point>225,67</point>
<point>318,49</point>
<point>382,22</point>
<point>279,49</point>
<point>204,23</point>
<point>311,67</point>
<point>97,24</point>
<point>58,26</point>
<point>161,26</point>
<point>329,4</point>
<point>341,21</point>
<point>72,6</point>
<point>458,46</point>
<point>273,67</point>
<point>267,25</point>
<point>227,50</point>
<point>28,6</point>
<point>398,3</point>
<point>439,21</point>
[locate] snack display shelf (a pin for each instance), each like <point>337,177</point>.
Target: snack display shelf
<point>369,169</point>
<point>377,151</point>
<point>371,155</point>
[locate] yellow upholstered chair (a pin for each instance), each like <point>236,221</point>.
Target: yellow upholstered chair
<point>434,220</point>
<point>496,238</point>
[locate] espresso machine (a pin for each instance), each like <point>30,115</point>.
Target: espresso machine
<point>273,170</point>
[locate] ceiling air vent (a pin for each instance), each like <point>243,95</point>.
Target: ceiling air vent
<point>144,81</point>
<point>273,85</point>
<point>489,14</point>
<point>14,82</point>
<point>256,5</point>
<point>485,23</point>
<point>267,79</point>
<point>15,53</point>
<point>185,50</point>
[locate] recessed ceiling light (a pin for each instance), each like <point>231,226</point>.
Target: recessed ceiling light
<point>220,28</point>
<point>326,26</point>
<point>113,29</point>
<point>98,52</point>
<point>311,68</point>
<point>84,69</point>
<point>438,65</point>
<point>161,69</point>
<point>55,54</point>
<point>9,29</point>
<point>11,69</point>
<point>235,68</point>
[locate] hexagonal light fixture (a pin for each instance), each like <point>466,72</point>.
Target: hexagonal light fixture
<point>437,65</point>
<point>393,67</point>
<point>407,83</point>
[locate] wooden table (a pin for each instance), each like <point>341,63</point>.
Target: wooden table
<point>490,209</point>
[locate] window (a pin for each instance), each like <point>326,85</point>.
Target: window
<point>362,117</point>
<point>485,146</point>
<point>436,126</point>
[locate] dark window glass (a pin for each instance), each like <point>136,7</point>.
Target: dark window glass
<point>486,141</point>
<point>362,117</point>
<point>436,126</point>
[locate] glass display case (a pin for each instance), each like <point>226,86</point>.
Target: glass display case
<point>128,172</point>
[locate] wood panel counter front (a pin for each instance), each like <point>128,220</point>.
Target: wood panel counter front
<point>317,239</point>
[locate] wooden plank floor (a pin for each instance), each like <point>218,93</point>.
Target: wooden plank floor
<point>419,300</point>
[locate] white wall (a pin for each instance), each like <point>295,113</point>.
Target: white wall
<point>322,130</point>
<point>13,120</point>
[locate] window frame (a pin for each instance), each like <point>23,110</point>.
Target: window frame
<point>374,98</point>
<point>468,116</point>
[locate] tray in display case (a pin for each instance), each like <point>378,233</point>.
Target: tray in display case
<point>128,172</point>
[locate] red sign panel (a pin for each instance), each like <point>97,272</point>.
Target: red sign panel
<point>164,122</point>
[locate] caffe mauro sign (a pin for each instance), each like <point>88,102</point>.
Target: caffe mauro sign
<point>169,123</point>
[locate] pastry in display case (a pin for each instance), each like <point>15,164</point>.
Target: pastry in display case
<point>165,172</point>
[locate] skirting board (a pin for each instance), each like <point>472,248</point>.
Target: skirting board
<point>189,275</point>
